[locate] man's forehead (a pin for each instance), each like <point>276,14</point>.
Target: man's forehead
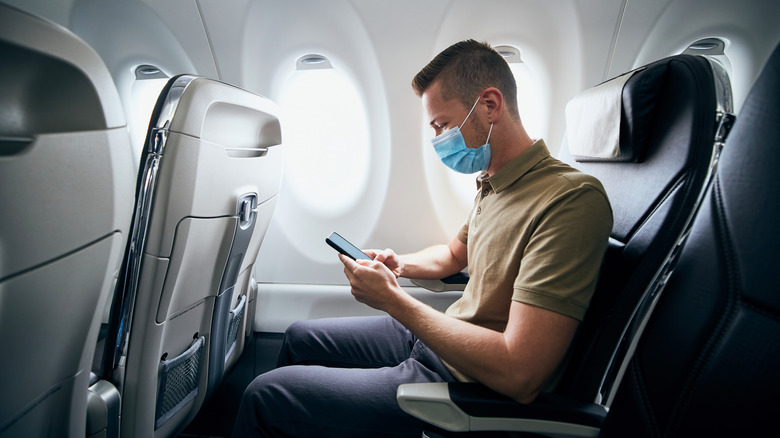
<point>434,92</point>
<point>434,102</point>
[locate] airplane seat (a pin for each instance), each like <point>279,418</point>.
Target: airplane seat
<point>674,116</point>
<point>651,137</point>
<point>66,191</point>
<point>706,363</point>
<point>210,175</point>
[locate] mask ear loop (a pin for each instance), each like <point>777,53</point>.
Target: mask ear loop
<point>470,111</point>
<point>491,130</point>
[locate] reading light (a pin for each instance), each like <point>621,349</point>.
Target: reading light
<point>703,46</point>
<point>706,46</point>
<point>149,72</point>
<point>510,53</point>
<point>313,61</point>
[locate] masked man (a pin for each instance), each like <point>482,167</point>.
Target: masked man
<point>533,242</point>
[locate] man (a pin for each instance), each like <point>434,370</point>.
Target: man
<point>533,242</point>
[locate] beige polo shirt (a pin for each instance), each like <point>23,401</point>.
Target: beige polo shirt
<point>537,234</point>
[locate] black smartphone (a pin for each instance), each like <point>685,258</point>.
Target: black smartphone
<point>343,246</point>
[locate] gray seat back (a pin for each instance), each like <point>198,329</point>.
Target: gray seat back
<point>209,178</point>
<point>66,192</point>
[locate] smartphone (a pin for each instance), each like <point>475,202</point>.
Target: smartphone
<point>343,246</point>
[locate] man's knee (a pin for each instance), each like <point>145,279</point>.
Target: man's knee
<point>255,392</point>
<point>296,336</point>
<point>265,402</point>
<point>298,330</point>
<point>266,393</point>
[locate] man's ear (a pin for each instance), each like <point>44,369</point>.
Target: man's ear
<point>494,101</point>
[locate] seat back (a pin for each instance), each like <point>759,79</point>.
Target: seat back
<point>66,190</point>
<point>209,178</point>
<point>654,164</point>
<point>706,364</point>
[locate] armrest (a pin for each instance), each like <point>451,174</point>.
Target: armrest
<point>462,407</point>
<point>454,282</point>
<point>103,409</point>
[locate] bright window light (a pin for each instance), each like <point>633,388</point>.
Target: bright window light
<point>144,96</point>
<point>529,103</point>
<point>326,138</point>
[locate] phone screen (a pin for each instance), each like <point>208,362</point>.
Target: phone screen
<point>343,246</point>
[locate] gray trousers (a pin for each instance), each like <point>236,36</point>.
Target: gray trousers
<point>338,377</point>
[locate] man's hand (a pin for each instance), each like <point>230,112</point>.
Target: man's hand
<point>389,258</point>
<point>373,283</point>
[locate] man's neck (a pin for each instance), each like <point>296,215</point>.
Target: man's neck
<point>508,145</point>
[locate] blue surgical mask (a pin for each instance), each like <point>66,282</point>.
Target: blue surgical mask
<point>453,152</point>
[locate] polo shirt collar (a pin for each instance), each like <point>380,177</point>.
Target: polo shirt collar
<point>516,168</point>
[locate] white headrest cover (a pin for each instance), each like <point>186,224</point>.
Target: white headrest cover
<point>593,121</point>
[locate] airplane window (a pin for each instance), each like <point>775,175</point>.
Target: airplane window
<point>326,138</point>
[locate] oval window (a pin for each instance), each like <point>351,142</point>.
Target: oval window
<point>326,136</point>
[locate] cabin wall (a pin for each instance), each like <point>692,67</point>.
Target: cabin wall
<point>653,30</point>
<point>409,202</point>
<point>398,194</point>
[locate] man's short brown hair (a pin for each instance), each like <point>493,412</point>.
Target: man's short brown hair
<point>464,70</point>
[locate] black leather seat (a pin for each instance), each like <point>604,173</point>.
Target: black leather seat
<point>669,123</point>
<point>707,362</point>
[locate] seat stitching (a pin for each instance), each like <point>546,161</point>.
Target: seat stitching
<point>728,313</point>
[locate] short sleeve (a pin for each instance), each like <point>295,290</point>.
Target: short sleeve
<point>463,234</point>
<point>560,265</point>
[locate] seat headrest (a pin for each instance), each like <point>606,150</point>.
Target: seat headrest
<point>612,121</point>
